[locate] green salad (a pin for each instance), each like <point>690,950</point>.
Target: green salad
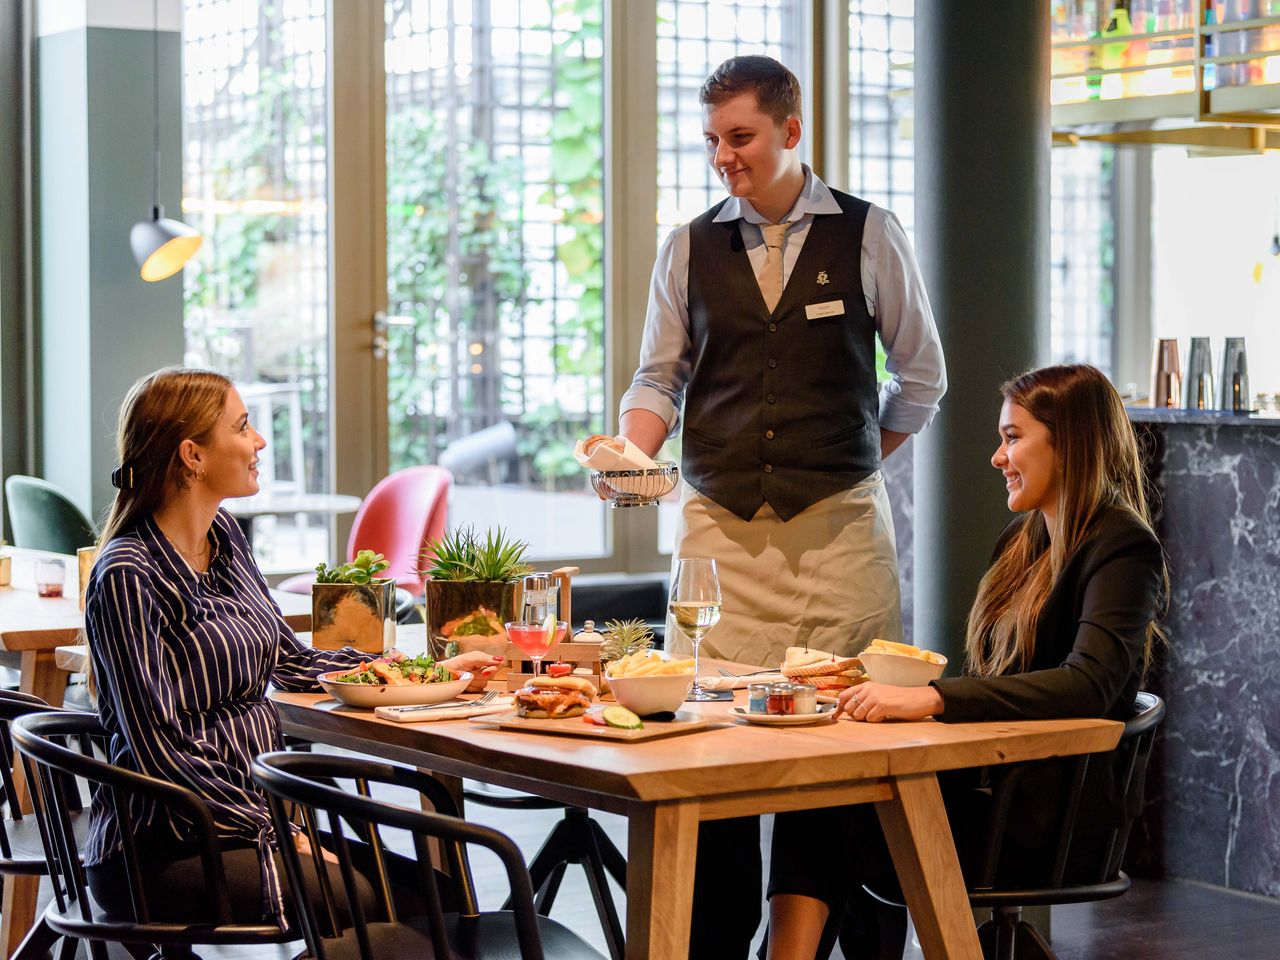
<point>420,669</point>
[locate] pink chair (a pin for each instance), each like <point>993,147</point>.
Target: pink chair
<point>403,509</point>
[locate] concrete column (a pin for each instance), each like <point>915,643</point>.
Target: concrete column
<point>982,235</point>
<point>100,325</point>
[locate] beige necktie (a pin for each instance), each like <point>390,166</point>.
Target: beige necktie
<point>771,276</point>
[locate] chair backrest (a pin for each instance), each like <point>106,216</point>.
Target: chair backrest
<point>13,704</point>
<point>1129,761</point>
<point>308,781</point>
<point>403,510</point>
<point>44,518</point>
<point>43,740</point>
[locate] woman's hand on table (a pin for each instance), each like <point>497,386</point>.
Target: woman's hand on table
<point>480,665</point>
<point>874,702</point>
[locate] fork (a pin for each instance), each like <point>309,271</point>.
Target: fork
<point>483,700</point>
<point>753,673</point>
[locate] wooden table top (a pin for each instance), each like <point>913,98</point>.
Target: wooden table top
<point>31,622</point>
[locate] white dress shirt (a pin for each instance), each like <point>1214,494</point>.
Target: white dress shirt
<point>891,283</point>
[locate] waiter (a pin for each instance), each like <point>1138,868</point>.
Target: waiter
<point>762,319</point>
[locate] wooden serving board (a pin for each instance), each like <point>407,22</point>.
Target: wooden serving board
<point>684,722</point>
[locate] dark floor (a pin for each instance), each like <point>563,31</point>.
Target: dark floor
<point>1154,921</point>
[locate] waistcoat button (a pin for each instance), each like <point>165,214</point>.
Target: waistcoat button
<point>768,434</point>
<point>772,363</point>
<point>768,468</point>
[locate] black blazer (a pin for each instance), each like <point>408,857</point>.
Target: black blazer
<point>1087,663</point>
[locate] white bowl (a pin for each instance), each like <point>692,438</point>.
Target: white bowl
<point>648,695</point>
<point>899,669</point>
<point>372,695</point>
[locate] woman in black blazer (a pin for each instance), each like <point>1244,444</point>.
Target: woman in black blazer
<point>1063,626</point>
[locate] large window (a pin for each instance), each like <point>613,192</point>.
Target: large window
<point>694,37</point>
<point>881,169</point>
<point>495,257</point>
<point>255,181</point>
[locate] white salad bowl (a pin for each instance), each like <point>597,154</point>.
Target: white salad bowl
<point>370,695</point>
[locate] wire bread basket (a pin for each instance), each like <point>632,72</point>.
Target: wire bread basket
<point>636,488</point>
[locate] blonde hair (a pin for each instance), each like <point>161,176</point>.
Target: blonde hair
<point>159,412</point>
<point>1098,467</point>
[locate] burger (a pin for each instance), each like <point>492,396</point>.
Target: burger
<point>554,698</point>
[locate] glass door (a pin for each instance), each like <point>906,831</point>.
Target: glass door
<point>495,258</point>
<point>255,152</point>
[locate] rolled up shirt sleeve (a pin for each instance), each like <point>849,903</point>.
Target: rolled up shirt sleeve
<point>896,298</point>
<point>666,349</point>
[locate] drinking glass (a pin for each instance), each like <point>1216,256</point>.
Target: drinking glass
<point>535,639</point>
<point>695,608</point>
<point>50,576</point>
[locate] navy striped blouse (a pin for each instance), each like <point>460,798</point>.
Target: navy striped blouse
<point>182,661</point>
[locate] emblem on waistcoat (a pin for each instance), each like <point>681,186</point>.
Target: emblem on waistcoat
<point>822,278</point>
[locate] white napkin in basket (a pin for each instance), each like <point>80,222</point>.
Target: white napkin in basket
<point>604,458</point>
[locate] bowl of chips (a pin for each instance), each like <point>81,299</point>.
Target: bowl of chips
<point>901,664</point>
<point>646,683</point>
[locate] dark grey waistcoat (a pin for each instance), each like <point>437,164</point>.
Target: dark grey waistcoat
<point>780,407</point>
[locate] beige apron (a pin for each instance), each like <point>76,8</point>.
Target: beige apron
<point>828,576</point>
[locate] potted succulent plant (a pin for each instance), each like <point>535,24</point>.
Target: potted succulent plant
<point>352,606</point>
<point>624,637</point>
<point>471,586</point>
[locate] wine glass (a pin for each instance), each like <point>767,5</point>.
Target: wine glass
<point>695,607</point>
<point>536,638</point>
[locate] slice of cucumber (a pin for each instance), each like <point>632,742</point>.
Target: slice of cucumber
<point>622,718</point>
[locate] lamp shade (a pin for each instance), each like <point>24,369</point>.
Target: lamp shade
<point>162,246</point>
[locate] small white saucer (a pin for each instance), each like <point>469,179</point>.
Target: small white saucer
<point>823,715</point>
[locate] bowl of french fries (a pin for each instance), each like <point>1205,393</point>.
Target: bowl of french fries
<point>901,664</point>
<point>645,682</point>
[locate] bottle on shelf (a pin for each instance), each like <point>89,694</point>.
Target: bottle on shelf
<point>1115,55</point>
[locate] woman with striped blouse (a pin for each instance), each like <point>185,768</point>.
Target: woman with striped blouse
<point>184,639</point>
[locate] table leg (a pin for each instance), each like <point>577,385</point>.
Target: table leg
<point>924,853</point>
<point>662,848</point>
<point>42,676</point>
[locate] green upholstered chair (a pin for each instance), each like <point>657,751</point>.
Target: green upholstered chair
<point>42,517</point>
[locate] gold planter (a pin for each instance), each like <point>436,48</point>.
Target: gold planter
<point>470,607</point>
<point>354,615</point>
<point>6,569</point>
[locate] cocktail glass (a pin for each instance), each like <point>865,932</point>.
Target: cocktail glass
<point>534,640</point>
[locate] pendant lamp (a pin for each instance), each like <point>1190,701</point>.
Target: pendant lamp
<point>161,246</point>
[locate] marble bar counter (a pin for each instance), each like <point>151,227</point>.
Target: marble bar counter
<point>1214,785</point>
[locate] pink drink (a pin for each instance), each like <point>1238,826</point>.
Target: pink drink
<point>531,638</point>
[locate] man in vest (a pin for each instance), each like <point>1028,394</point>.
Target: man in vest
<point>762,320</point>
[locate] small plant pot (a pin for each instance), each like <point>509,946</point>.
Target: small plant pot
<point>451,603</point>
<point>6,570</point>
<point>356,615</point>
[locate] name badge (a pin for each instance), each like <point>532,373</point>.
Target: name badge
<point>816,311</point>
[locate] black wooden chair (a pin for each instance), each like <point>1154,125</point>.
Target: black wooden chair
<point>42,740</point>
<point>309,782</point>
<point>1006,936</point>
<point>21,844</point>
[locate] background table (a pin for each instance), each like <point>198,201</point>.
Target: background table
<point>262,504</point>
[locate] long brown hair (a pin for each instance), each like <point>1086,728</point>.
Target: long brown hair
<point>159,412</point>
<point>1098,467</point>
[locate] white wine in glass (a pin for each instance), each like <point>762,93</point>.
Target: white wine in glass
<point>695,607</point>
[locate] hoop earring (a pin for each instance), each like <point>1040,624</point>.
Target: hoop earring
<point>200,475</point>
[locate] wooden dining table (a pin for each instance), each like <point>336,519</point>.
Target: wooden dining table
<point>666,787</point>
<point>35,627</point>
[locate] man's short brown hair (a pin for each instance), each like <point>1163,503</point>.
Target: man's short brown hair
<point>776,88</point>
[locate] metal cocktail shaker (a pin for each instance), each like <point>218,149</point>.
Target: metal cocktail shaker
<point>1166,374</point>
<point>1233,385</point>
<point>1198,394</point>
<point>539,597</point>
